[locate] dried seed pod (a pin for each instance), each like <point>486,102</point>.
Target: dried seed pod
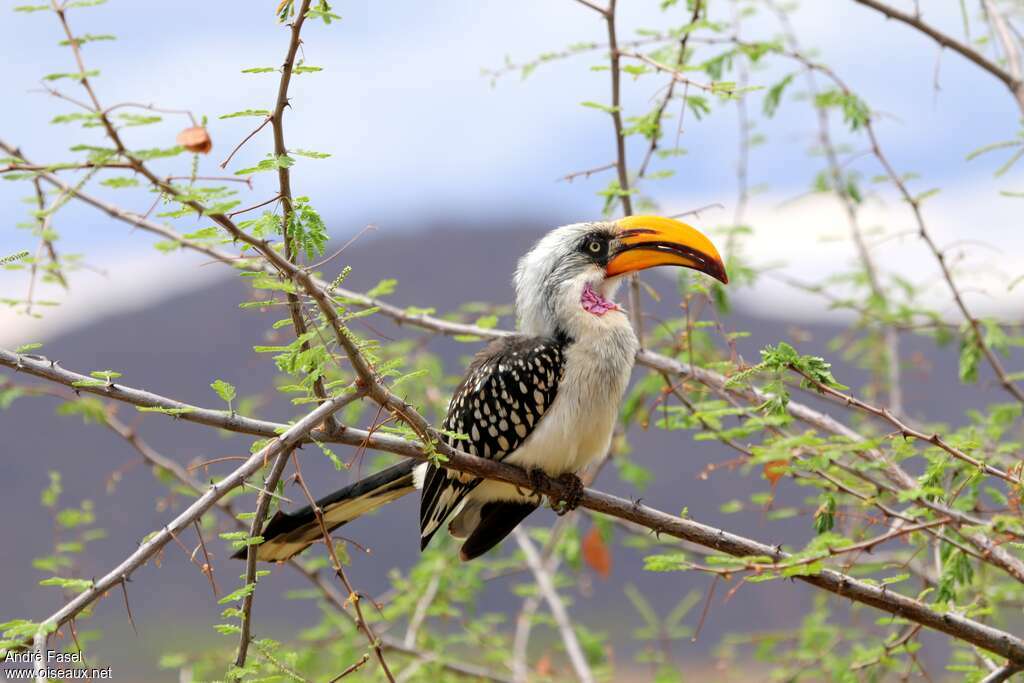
<point>195,139</point>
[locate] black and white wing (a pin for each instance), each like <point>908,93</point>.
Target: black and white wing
<point>506,391</point>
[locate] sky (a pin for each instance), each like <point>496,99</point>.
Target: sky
<point>417,133</point>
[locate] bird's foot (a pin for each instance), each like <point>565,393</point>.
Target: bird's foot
<point>573,492</point>
<point>537,478</point>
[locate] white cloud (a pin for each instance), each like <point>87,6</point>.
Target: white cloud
<point>122,282</point>
<point>808,240</point>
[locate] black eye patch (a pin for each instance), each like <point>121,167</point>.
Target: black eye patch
<point>595,247</point>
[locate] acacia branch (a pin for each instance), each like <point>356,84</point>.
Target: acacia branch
<point>328,592</point>
<point>546,586</point>
<point>670,92</point>
<point>255,527</point>
<point>285,186</point>
<point>907,431</point>
<point>353,596</point>
<point>621,164</point>
<point>968,630</point>
<point>1001,674</point>
<point>675,74</point>
<point>922,229</point>
<point>158,539</point>
<point>889,333</point>
<point>654,361</point>
<point>1014,84</point>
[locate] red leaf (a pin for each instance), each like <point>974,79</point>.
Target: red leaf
<point>596,553</point>
<point>544,666</point>
<point>775,470</point>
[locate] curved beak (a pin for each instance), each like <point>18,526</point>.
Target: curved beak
<point>648,241</point>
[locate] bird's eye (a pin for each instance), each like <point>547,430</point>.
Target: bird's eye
<point>594,247</point>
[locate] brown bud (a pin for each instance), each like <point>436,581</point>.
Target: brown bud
<point>195,139</point>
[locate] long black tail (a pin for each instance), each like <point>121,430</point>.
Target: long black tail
<point>288,534</point>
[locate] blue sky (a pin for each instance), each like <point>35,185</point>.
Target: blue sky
<point>416,131</point>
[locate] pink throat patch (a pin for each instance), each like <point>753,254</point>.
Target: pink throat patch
<point>595,303</point>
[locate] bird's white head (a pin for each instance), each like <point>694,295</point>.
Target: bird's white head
<point>567,282</point>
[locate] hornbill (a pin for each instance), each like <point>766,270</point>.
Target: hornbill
<point>544,399</point>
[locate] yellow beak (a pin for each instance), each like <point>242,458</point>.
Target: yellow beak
<point>648,241</point>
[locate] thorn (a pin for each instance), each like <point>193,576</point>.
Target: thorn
<point>124,590</point>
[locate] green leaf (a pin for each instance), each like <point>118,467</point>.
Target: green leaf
<point>225,390</point>
<point>72,585</point>
<point>602,107</point>
<point>239,594</point>
<point>310,153</point>
<point>970,357</point>
<point>245,112</point>
<point>92,73</point>
<point>88,38</point>
<point>985,149</point>
<point>385,287</point>
<point>271,163</point>
<point>307,230</point>
<point>13,257</point>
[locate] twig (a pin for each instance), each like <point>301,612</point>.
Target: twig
<point>906,431</point>
<point>254,206</point>
<point>676,75</point>
<point>984,636</point>
<point>621,164</point>
<point>890,335</point>
<point>256,526</point>
<point>159,539</point>
<point>207,566</point>
<point>593,6</point>
<point>1002,30</point>
<point>151,107</point>
<point>352,668</point>
<point>1002,674</point>
<point>557,607</point>
<point>669,91</point>
<point>420,613</point>
<point>285,189</point>
<point>588,172</point>
<point>1013,84</point>
<point>353,596</point>
<point>224,164</point>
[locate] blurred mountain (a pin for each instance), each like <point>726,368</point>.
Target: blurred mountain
<point>180,346</point>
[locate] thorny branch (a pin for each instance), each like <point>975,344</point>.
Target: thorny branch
<point>659,111</point>
<point>890,335</point>
<point>1013,83</point>
<point>353,596</point>
<point>156,541</point>
<point>647,358</point>
<point>176,470</point>
<point>621,163</point>
<point>976,633</point>
<point>546,586</point>
<point>285,185</point>
<point>262,507</point>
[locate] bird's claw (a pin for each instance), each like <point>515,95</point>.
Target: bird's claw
<point>537,478</point>
<point>573,492</point>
